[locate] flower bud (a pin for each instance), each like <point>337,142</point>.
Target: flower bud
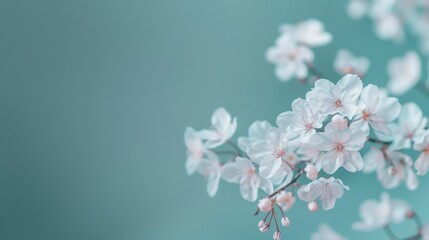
<point>261,223</point>
<point>285,222</point>
<point>276,235</point>
<point>312,206</point>
<point>265,204</point>
<point>311,172</point>
<point>264,228</point>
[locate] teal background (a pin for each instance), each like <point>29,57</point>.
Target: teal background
<point>95,97</point>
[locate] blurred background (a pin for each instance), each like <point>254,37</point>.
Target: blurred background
<point>95,97</point>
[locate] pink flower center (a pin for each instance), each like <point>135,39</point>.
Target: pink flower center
<point>280,152</point>
<point>308,126</point>
<point>366,115</point>
<point>339,147</point>
<point>338,103</point>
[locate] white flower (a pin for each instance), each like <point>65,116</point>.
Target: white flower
<point>342,148</point>
<point>257,134</point>
<point>325,190</point>
<point>210,168</point>
<point>389,26</point>
<point>341,98</point>
<point>346,63</point>
<point>301,121</point>
<point>422,162</point>
<point>285,200</point>
<point>221,131</point>
<point>326,233</point>
<point>376,110</point>
<point>196,150</point>
<point>378,214</point>
<point>311,33</point>
<point>404,73</point>
<point>410,127</point>
<point>291,59</point>
<point>244,173</point>
<point>392,168</point>
<point>357,8</point>
<point>272,153</point>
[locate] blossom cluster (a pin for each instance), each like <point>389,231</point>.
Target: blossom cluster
<point>323,132</point>
<point>292,52</point>
<point>379,215</point>
<point>294,58</point>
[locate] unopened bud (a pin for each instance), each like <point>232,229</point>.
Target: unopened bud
<point>312,206</point>
<point>285,222</point>
<point>264,228</point>
<point>311,172</point>
<point>265,204</point>
<point>276,235</point>
<point>261,223</point>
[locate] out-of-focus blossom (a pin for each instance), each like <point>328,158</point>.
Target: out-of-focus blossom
<point>377,214</point>
<point>326,233</point>
<point>312,33</point>
<point>210,168</point>
<point>404,73</point>
<point>257,135</point>
<point>291,59</point>
<point>392,168</point>
<point>195,150</point>
<point>346,63</point>
<point>327,191</point>
<point>357,8</point>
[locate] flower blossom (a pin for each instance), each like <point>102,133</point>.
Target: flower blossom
<point>330,98</point>
<point>285,200</point>
<point>210,168</point>
<point>376,110</point>
<point>292,53</point>
<point>392,168</point>
<point>325,190</point>
<point>346,63</point>
<point>257,135</point>
<point>409,128</point>
<point>422,162</point>
<point>244,173</point>
<point>404,73</point>
<point>326,233</point>
<point>273,155</point>
<point>378,214</point>
<point>301,122</point>
<point>341,147</point>
<point>223,127</point>
<point>290,58</point>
